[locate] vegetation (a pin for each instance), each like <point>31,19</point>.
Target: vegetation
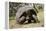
<point>13,7</point>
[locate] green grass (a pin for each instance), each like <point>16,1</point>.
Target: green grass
<point>11,18</point>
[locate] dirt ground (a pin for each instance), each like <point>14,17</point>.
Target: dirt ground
<point>13,24</point>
